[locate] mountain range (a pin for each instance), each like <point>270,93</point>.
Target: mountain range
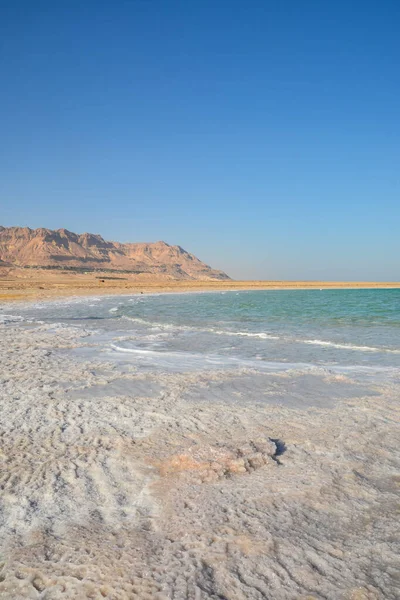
<point>65,250</point>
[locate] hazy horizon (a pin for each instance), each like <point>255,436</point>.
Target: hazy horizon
<point>262,138</point>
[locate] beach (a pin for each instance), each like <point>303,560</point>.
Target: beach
<point>34,284</point>
<point>234,444</point>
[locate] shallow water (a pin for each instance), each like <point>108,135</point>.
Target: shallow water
<point>348,332</point>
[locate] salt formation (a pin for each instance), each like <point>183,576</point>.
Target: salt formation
<point>118,483</point>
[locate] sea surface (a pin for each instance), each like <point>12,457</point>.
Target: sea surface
<point>308,334</point>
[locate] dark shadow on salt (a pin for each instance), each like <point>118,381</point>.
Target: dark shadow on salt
<point>280,446</point>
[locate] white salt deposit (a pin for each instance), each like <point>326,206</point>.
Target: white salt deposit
<point>123,481</point>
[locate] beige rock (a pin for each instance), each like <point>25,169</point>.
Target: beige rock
<point>25,247</point>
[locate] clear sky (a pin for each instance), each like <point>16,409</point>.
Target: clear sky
<point>263,136</point>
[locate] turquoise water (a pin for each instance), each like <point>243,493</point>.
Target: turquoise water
<point>328,327</point>
<point>297,348</point>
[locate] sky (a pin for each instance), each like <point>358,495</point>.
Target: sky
<point>261,135</point>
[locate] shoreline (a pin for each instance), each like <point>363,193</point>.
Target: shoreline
<point>140,476</point>
<point>16,288</point>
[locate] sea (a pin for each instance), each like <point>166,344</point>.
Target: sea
<point>329,344</point>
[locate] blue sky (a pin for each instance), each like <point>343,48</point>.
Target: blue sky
<point>263,136</point>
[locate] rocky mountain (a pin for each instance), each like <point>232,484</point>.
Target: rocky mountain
<point>62,249</point>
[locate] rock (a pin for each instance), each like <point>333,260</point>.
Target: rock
<point>63,249</point>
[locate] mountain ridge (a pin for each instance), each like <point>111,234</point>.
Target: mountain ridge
<point>61,248</point>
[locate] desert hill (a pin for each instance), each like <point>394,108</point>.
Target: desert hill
<point>63,249</point>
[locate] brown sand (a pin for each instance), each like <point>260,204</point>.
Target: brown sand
<point>25,284</point>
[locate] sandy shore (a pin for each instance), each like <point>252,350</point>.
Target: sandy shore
<point>27,284</point>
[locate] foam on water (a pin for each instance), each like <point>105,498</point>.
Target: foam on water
<point>293,333</point>
<point>332,327</point>
<point>349,346</point>
<point>4,318</point>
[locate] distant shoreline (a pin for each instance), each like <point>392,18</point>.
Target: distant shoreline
<point>16,286</point>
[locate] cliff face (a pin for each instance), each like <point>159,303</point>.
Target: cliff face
<point>25,247</point>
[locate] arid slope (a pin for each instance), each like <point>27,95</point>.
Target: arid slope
<point>25,247</point>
